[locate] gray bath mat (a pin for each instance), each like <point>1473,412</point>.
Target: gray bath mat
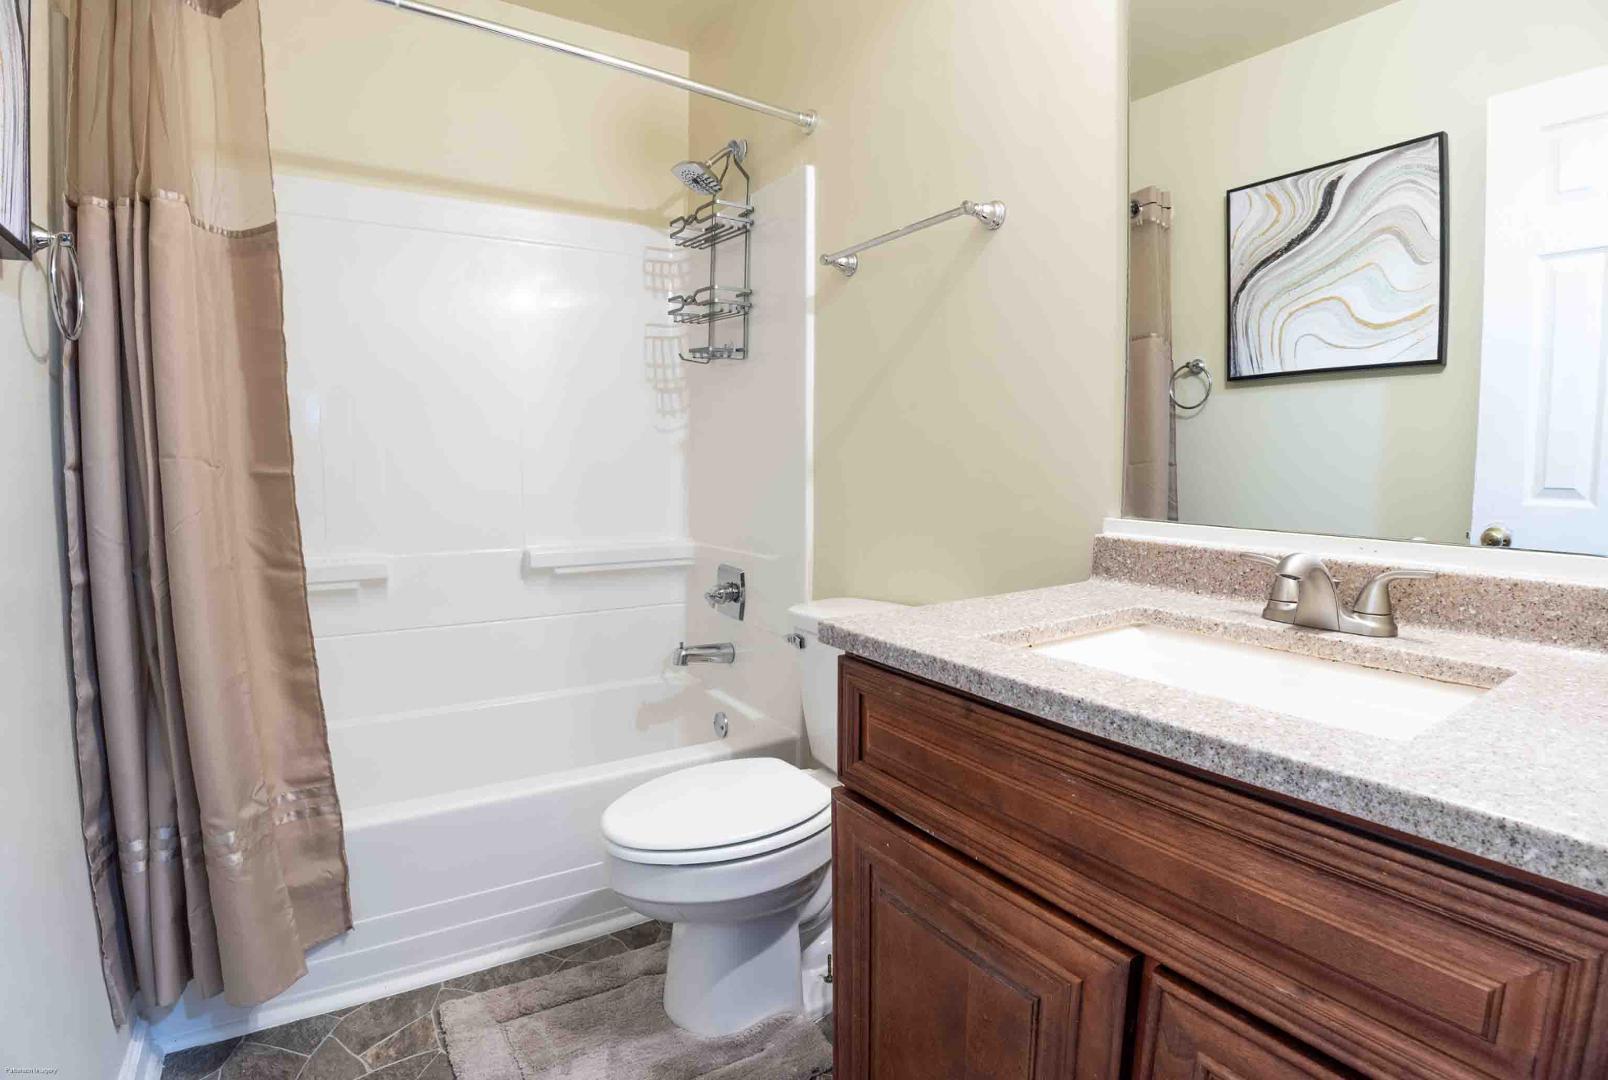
<point>606,1021</point>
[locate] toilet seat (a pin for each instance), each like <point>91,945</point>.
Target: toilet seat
<point>748,849</point>
<point>717,812</point>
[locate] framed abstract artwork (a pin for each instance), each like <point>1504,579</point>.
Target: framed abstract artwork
<point>14,174</point>
<point>1340,267</point>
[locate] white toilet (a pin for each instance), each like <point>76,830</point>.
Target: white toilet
<point>737,856</point>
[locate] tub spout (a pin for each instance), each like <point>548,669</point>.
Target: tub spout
<point>720,653</point>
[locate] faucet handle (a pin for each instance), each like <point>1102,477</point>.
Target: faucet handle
<point>1284,591</point>
<point>1374,597</point>
<point>1296,564</point>
<point>727,592</point>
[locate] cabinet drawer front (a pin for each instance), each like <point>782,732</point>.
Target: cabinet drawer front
<point>948,971</point>
<point>1380,957</point>
<point>1185,1035</point>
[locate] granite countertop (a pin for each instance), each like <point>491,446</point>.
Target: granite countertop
<point>1518,776</point>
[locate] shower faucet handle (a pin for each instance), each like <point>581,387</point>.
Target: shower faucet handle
<point>727,592</point>
<point>730,594</point>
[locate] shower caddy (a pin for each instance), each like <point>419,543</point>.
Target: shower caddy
<point>712,225</point>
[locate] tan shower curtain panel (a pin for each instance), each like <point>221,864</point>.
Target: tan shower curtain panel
<point>1150,478</point>
<point>210,816</point>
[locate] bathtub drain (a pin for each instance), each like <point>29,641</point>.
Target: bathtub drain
<point>722,725</point>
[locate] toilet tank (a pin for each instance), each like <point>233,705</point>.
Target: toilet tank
<point>820,669</point>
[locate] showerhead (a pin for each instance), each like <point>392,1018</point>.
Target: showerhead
<point>701,177</point>
<point>698,176</point>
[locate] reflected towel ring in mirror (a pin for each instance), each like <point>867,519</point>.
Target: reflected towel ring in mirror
<point>69,322</point>
<point>1194,367</point>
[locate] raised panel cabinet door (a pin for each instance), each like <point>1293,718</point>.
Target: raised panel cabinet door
<point>945,970</point>
<point>1185,1035</point>
<point>1381,958</point>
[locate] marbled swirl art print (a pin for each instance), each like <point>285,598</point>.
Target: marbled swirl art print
<point>1340,266</point>
<point>14,124</point>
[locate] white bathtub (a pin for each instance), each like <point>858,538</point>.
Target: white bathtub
<point>472,834</point>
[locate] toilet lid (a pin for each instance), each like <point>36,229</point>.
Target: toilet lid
<point>714,805</point>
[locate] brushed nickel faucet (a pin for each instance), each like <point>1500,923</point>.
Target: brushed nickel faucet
<point>1303,594</point>
<point>722,652</point>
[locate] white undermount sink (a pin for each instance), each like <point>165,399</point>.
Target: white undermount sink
<point>1387,704</point>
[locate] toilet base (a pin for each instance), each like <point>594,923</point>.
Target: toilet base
<point>724,977</point>
<point>735,945</point>
<point>817,972</point>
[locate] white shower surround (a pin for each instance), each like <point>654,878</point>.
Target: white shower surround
<point>493,676</point>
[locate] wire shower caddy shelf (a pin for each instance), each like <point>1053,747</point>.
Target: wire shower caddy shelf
<point>713,224</point>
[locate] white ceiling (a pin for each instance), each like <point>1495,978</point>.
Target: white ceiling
<point>1173,41</point>
<point>1170,41</point>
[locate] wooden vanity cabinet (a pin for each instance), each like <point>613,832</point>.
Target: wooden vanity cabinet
<point>1001,882</point>
<point>1185,1035</point>
<point>945,963</point>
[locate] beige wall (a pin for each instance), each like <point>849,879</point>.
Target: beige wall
<point>1365,454</point>
<point>361,92</point>
<point>53,1010</point>
<point>968,384</point>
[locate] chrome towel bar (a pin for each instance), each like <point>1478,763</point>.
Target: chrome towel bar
<point>991,214</point>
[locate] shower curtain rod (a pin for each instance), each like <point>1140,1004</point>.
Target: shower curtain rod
<point>806,120</point>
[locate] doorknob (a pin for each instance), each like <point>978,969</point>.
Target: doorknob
<point>1496,536</point>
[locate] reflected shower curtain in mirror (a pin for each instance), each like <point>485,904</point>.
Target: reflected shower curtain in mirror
<point>1150,471</point>
<point>211,822</point>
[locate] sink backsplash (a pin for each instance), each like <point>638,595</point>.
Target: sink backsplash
<point>1525,609</point>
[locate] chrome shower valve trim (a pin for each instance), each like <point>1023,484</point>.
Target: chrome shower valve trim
<point>730,594</point>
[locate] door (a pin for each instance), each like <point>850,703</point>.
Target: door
<point>944,970</point>
<point>1185,1035</point>
<point>1541,468</point>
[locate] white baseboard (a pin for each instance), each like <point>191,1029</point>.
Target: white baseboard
<point>142,1059</point>
<point>169,1036</point>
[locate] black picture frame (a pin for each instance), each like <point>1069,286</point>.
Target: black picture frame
<point>1443,323</point>
<point>15,92</point>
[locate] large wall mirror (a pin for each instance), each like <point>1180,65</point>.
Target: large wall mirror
<point>1368,269</point>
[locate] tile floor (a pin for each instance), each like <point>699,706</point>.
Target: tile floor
<point>394,1038</point>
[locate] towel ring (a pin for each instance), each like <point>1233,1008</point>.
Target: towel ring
<point>71,324</point>
<point>1194,367</point>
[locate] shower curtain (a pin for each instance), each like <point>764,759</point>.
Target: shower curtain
<point>211,823</point>
<point>1150,469</point>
